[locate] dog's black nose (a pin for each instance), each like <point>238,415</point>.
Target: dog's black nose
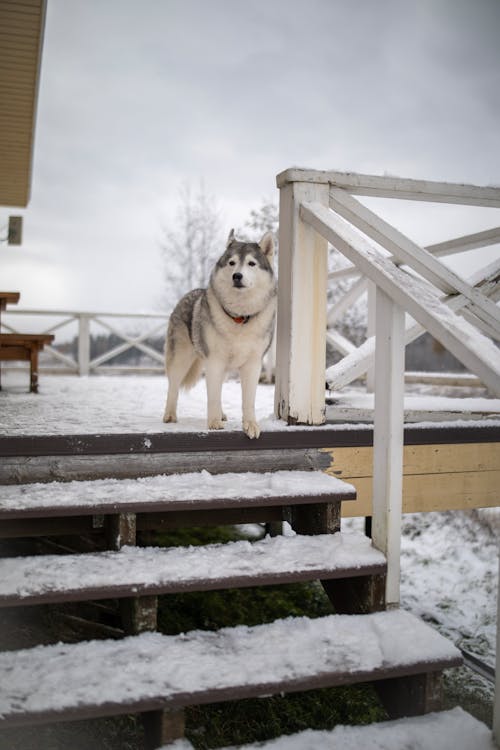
<point>237,277</point>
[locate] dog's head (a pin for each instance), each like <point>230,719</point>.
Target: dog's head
<point>243,262</point>
<point>243,276</point>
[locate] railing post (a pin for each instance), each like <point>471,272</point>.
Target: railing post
<point>83,344</point>
<point>388,438</point>
<point>370,331</point>
<point>496,705</point>
<point>301,320</point>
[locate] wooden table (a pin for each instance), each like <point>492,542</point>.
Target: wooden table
<point>8,298</point>
<point>22,346</point>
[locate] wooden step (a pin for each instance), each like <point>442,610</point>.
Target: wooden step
<point>447,730</point>
<point>153,671</point>
<point>175,492</point>
<point>136,571</point>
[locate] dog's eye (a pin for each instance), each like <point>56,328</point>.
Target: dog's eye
<point>252,263</point>
<point>232,263</point>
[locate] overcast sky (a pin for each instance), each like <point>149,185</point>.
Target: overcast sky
<point>139,97</point>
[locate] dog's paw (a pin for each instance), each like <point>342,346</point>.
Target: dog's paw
<point>251,428</point>
<point>169,417</point>
<point>215,424</point>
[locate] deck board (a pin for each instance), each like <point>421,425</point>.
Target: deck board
<point>327,436</point>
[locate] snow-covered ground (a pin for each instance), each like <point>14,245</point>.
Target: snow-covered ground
<point>449,560</point>
<point>114,404</point>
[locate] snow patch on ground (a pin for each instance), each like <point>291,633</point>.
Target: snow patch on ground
<point>110,404</point>
<point>452,730</point>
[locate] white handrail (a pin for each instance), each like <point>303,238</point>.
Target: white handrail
<point>387,186</point>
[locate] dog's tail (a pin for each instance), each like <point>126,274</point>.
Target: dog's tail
<point>193,374</point>
<point>175,369</point>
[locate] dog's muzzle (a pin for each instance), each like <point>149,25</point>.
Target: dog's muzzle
<point>237,279</point>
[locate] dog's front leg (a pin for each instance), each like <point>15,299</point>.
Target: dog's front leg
<point>214,375</point>
<point>249,376</point>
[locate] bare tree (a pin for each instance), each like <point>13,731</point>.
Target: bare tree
<point>191,246</point>
<point>261,220</point>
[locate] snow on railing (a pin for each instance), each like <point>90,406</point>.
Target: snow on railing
<point>86,324</point>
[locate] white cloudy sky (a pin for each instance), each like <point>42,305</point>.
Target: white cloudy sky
<point>139,97</point>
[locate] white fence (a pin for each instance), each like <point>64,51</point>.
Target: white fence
<point>134,334</point>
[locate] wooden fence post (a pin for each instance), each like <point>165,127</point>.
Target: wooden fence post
<point>388,438</point>
<point>83,344</point>
<point>301,324</point>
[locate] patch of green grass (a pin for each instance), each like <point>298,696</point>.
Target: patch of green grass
<point>259,719</point>
<point>211,610</point>
<point>198,536</point>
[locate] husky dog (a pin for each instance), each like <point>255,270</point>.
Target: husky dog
<point>228,326</point>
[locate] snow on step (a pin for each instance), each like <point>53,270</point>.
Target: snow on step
<point>150,670</point>
<point>190,491</point>
<point>139,570</point>
<point>449,730</point>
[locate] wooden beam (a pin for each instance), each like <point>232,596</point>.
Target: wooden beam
<point>350,463</point>
<point>301,320</point>
<point>339,342</point>
<point>465,243</point>
<point>408,252</point>
<point>424,493</point>
<point>440,249</point>
<point>396,187</point>
<point>435,477</point>
<point>388,430</point>
<point>356,362</point>
<point>473,349</point>
<point>338,308</point>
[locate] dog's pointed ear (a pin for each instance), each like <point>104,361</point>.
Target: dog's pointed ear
<point>230,238</point>
<point>267,245</point>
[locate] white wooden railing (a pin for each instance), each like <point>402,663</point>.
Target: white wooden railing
<point>318,209</point>
<point>358,360</point>
<point>85,324</point>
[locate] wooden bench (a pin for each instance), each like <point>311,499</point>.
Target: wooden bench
<point>24,347</point>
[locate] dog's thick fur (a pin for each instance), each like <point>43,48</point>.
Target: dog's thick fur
<point>228,326</point>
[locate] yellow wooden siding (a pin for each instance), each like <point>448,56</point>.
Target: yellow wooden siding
<point>436,477</point>
<point>21,34</point>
